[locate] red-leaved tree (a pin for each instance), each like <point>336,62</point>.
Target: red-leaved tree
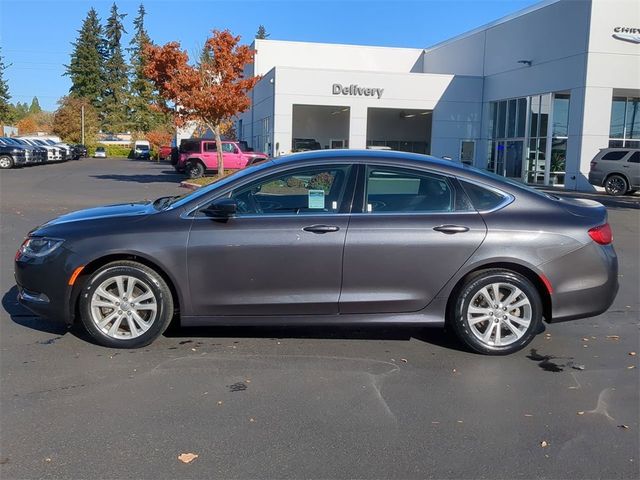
<point>210,92</point>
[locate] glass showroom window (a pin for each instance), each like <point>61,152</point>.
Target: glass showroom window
<point>624,130</point>
<point>559,132</point>
<point>522,123</point>
<point>508,126</point>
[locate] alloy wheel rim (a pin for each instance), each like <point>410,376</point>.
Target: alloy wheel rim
<point>123,307</point>
<point>616,185</point>
<point>499,314</point>
<point>4,163</point>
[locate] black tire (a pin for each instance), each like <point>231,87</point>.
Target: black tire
<point>195,169</point>
<point>458,316</point>
<point>6,162</point>
<point>616,185</point>
<point>150,279</point>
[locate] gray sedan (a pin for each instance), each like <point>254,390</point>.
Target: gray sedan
<point>328,237</point>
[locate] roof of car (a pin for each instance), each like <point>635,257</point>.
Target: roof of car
<point>354,155</point>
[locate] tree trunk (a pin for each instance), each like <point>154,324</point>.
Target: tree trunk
<point>216,132</point>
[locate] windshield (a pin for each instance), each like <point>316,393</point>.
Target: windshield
<point>181,200</point>
<point>143,147</point>
<point>100,149</point>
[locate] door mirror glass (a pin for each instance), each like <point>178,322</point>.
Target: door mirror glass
<point>221,208</point>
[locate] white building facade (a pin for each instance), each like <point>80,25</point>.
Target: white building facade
<point>533,96</point>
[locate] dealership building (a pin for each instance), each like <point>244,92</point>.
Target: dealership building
<point>532,96</point>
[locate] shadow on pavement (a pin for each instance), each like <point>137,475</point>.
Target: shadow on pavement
<point>24,317</point>
<point>165,176</point>
<point>432,335</point>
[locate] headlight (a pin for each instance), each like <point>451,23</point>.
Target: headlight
<point>39,246</point>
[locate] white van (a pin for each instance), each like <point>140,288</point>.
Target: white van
<point>141,149</point>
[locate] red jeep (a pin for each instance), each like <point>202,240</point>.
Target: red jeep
<point>198,156</point>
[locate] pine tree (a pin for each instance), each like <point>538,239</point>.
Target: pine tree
<point>87,61</point>
<point>262,33</point>
<point>5,108</point>
<point>35,106</point>
<point>115,95</point>
<point>143,94</point>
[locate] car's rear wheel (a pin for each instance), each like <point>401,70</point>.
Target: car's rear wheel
<point>195,169</point>
<point>6,162</point>
<point>125,305</point>
<point>616,185</point>
<point>497,312</point>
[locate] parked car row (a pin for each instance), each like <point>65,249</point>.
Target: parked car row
<point>197,156</point>
<point>19,152</point>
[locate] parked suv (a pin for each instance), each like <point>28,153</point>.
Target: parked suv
<point>617,170</point>
<point>32,154</point>
<point>12,156</point>
<point>198,156</point>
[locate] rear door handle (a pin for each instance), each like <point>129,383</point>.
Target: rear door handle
<point>451,229</point>
<point>321,228</point>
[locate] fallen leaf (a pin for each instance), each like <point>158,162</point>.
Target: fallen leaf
<point>247,381</point>
<point>633,354</point>
<point>624,427</point>
<point>187,457</point>
<point>252,419</point>
<point>613,337</point>
<point>460,421</point>
<point>435,423</point>
<point>584,339</point>
<point>219,402</point>
<point>544,444</point>
<point>581,413</point>
<point>454,370</point>
<point>578,367</point>
<point>403,360</point>
<point>528,415</point>
<point>631,367</point>
<point>47,459</point>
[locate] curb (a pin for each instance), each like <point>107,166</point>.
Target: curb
<point>190,186</point>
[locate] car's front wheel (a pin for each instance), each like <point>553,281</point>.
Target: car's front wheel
<point>125,305</point>
<point>497,312</point>
<point>6,162</point>
<point>616,185</point>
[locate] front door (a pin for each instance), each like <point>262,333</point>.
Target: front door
<point>232,157</point>
<point>415,231</point>
<point>280,254</point>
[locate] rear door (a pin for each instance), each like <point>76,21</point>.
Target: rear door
<point>413,231</point>
<point>209,155</point>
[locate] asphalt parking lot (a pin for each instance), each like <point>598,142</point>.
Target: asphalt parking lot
<point>305,402</point>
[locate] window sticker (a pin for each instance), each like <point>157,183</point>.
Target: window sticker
<point>316,199</point>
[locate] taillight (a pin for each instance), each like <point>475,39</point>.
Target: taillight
<point>601,234</point>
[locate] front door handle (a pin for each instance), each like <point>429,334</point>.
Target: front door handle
<point>451,229</point>
<point>321,228</point>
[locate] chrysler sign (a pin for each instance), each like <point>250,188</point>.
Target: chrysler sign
<point>627,34</point>
<point>356,91</point>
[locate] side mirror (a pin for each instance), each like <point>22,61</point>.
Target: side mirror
<point>221,208</point>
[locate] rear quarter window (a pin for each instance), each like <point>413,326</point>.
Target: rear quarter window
<point>482,198</point>
<point>617,155</point>
<point>635,158</point>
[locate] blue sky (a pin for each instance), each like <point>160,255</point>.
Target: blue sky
<point>36,36</point>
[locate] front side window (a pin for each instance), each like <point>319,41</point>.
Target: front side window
<point>300,191</point>
<point>396,190</point>
<point>228,148</point>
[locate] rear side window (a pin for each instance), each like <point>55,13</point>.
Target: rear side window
<point>395,190</point>
<point>189,146</point>
<point>482,198</point>
<point>635,158</point>
<point>617,155</point>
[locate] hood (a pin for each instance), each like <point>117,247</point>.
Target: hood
<point>107,211</point>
